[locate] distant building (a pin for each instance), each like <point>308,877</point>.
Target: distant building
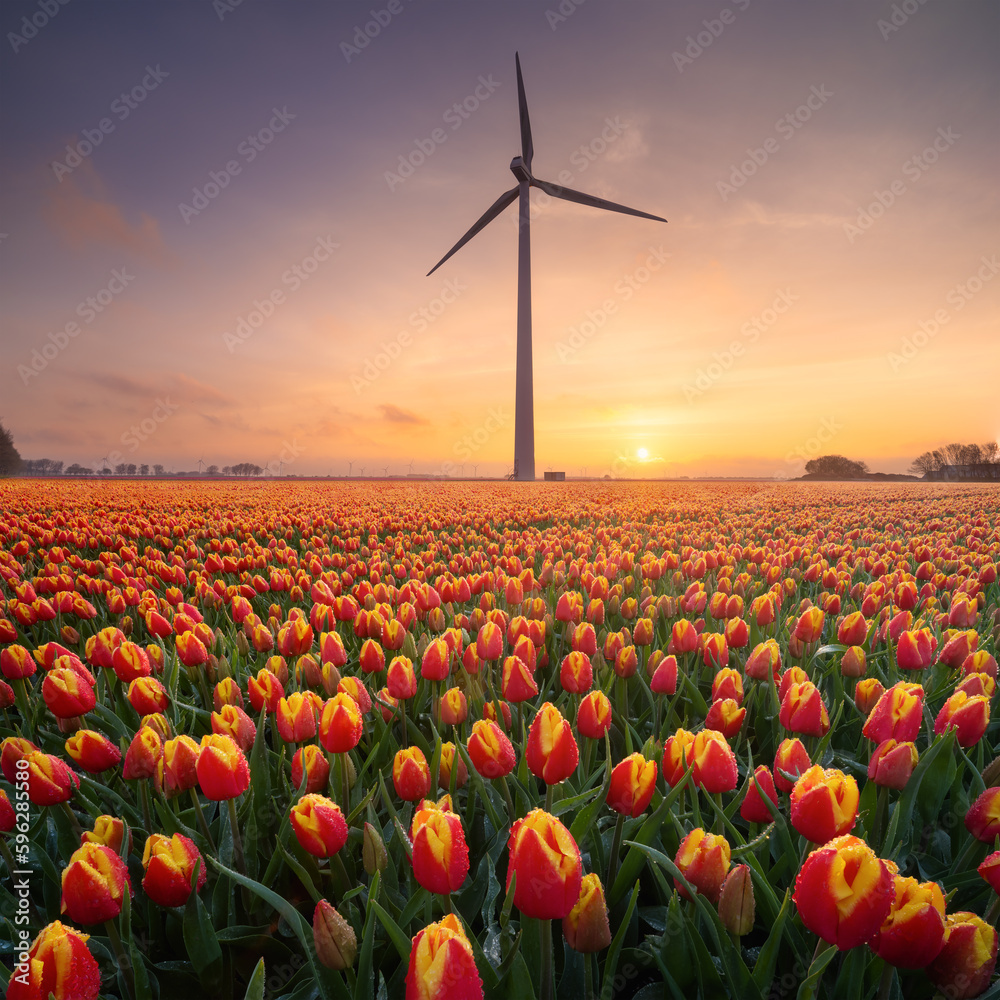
<point>555,477</point>
<point>977,470</point>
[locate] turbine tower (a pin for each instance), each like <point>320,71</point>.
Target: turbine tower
<point>520,166</point>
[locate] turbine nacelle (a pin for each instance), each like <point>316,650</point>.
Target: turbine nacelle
<point>520,170</point>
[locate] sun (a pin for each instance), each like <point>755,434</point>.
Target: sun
<point>643,454</point>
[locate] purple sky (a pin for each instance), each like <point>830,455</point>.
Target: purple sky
<point>824,283</point>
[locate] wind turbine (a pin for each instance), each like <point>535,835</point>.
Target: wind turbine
<point>350,469</point>
<point>520,166</point>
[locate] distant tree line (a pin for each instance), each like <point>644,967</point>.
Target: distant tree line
<point>836,467</point>
<point>959,461</point>
<point>10,458</point>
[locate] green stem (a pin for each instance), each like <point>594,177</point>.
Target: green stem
<point>967,855</point>
<point>21,697</point>
<point>511,815</point>
<point>5,854</point>
<point>74,822</point>
<point>993,912</point>
<point>237,839</point>
<point>147,819</point>
<point>548,798</point>
<point>588,977</point>
<point>881,804</point>
<point>128,974</point>
<point>203,823</point>
<point>545,945</point>
<point>885,983</point>
<point>402,718</point>
<point>616,846</point>
<point>345,786</point>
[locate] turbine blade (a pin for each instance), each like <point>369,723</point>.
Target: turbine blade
<point>488,216</point>
<point>588,199</point>
<point>527,149</point>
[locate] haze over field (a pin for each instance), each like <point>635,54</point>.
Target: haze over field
<point>217,220</point>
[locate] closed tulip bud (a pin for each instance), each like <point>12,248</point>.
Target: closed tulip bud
<point>169,864</point>
<point>633,782</point>
<point>401,679</point>
<point>753,808</point>
<point>980,662</point>
<point>793,675</point>
<point>593,717</point>
<point>13,749</point>
<point>371,657</point>
<point>66,694</point>
<point>109,831</point>
<point>643,633</point>
<point>676,756</point>
<point>726,717</point>
<point>334,938</point>
<point>94,884</point>
<point>703,859</point>
<point>7,698</point>
<point>728,683</point>
<point>223,772</point>
<point>265,691</point>
<point>586,926</point>
<point>442,966</point>
<point>411,774</point>
<point>341,724</point>
<point>490,751</point>
<point>584,639</point>
<point>809,626</point>
<point>92,751</point>
<point>898,713</point>
<point>8,820</point>
<point>453,707</point>
<point>792,759</point>
<point>489,641</point>
<point>715,650</point>
<point>576,673</point>
<point>319,825</point>
<point>436,662</point>
<point>233,722</point>
<point>296,718</point>
<point>989,870</point>
<point>843,892</point>
<point>867,693</point>
<point>664,678</point>
<point>737,633</point>
<point>736,901</point>
<point>331,649</point>
<point>50,781</point>
<point>983,818</point>
<point>446,763</point>
<point>440,855</point>
<point>191,650</point>
<point>683,638</point>
<point>130,661</point>
<point>915,649</point>
<point>176,770</point>
<point>58,964</point>
<point>551,752</point>
<point>967,715</point>
<point>143,754</point>
<point>295,637</point>
<point>892,764</point>
<point>913,933</point>
<point>517,683</point>
<point>310,762</point>
<point>147,696</point>
<point>824,804</point>
<point>373,853</point>
<point>546,860</point>
<point>227,692</point>
<point>713,762</point>
<point>803,710</point>
<point>766,656</point>
<point>977,684</point>
<point>965,965</point>
<point>853,630</point>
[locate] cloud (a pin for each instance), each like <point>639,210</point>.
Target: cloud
<point>85,217</point>
<point>183,387</point>
<point>394,415</point>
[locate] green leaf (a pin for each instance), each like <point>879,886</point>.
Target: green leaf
<point>201,942</point>
<point>611,962</point>
<point>255,988</point>
<point>816,969</point>
<point>398,938</point>
<point>767,959</point>
<point>364,989</point>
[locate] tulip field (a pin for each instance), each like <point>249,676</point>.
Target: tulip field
<point>371,739</point>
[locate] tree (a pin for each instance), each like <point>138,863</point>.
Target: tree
<point>143,470</point>
<point>212,470</point>
<point>836,466</point>
<point>120,469</point>
<point>227,470</point>
<point>10,459</point>
<point>130,469</point>
<point>925,464</point>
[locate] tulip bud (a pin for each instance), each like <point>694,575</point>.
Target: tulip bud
<point>843,892</point>
<point>373,852</point>
<point>593,717</point>
<point>440,855</point>
<point>411,774</point>
<point>983,818</point>
<point>586,926</point>
<point>490,751</point>
<point>898,713</point>
<point>335,940</point>
<point>824,804</point>
<point>965,964</point>
<point>913,933</point>
<point>867,693</point>
<point>753,808</point>
<point>990,870</point>
<point>703,859</point>
<point>713,762</point>
<point>892,764</point>
<point>92,750</point>
<point>852,663</point>
<point>109,831</point>
<point>223,772</point>
<point>169,864</point>
<point>736,901</point>
<point>94,884</point>
<point>676,756</point>
<point>319,825</point>
<point>967,715</point>
<point>633,782</point>
<point>546,860</point>
<point>58,962</point>
<point>442,965</point>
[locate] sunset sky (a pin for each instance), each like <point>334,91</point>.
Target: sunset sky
<point>829,173</point>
